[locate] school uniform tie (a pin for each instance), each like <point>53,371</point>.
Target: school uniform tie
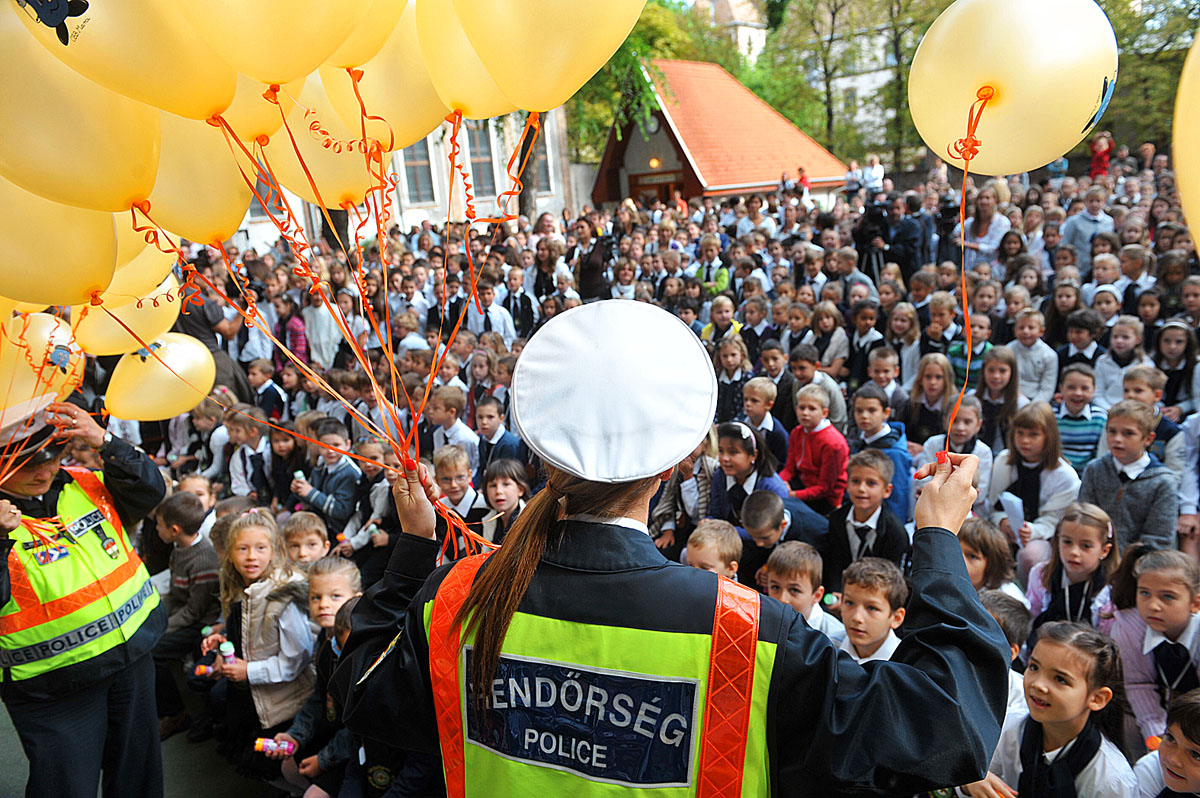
<point>864,548</point>
<point>737,497</point>
<point>1176,674</point>
<point>487,320</point>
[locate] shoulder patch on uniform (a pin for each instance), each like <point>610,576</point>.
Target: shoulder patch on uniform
<point>614,727</point>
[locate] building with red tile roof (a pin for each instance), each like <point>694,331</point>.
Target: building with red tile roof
<point>711,136</point>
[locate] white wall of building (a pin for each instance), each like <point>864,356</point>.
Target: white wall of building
<point>412,205</point>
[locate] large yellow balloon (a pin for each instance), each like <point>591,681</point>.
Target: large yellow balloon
<point>143,389</point>
<point>39,363</point>
<point>540,52</point>
<point>199,193</point>
<point>144,50</point>
<point>395,85</point>
<point>1047,98</point>
<point>274,41</point>
<point>365,40</point>
<point>341,177</point>
<point>98,333</point>
<point>54,254</point>
<point>1185,131</point>
<point>67,138</point>
<point>459,76</point>
<point>251,115</point>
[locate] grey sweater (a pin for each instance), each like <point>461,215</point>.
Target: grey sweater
<point>1146,509</point>
<point>193,598</point>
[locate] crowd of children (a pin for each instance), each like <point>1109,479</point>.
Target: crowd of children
<point>838,378</point>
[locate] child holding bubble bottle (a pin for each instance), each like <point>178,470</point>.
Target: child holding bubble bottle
<point>269,675</point>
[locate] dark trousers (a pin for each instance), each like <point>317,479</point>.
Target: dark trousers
<point>110,728</point>
<point>169,651</point>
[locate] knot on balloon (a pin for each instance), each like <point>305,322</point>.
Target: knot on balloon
<point>271,95</point>
<point>214,120</point>
<point>96,300</point>
<point>966,148</point>
<point>262,141</point>
<point>143,206</point>
<point>355,74</point>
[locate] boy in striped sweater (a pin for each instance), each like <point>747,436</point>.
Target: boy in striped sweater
<point>1080,420</point>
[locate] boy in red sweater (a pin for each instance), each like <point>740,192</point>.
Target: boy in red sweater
<point>817,454</point>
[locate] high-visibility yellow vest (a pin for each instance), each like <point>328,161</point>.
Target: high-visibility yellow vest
<point>78,587</point>
<point>580,709</point>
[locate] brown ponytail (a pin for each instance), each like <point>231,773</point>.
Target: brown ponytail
<point>499,587</point>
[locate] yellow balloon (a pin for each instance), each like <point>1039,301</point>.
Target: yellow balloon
<point>365,40</point>
<point>251,115</point>
<point>143,389</point>
<point>458,75</point>
<point>274,41</point>
<point>67,138</point>
<point>395,85</point>
<point>144,50</point>
<point>1046,100</point>
<point>341,176</point>
<point>39,362</point>
<point>200,194</point>
<point>569,47</point>
<point>76,248</point>
<point>130,243</point>
<point>1184,132</point>
<point>138,277</point>
<point>8,306</point>
<point>98,333</point>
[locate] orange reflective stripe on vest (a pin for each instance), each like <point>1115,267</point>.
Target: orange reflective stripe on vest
<point>33,611</point>
<point>94,489</point>
<point>730,687</point>
<point>727,705</point>
<point>444,645</point>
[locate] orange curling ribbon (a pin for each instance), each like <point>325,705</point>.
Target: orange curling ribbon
<point>966,149</point>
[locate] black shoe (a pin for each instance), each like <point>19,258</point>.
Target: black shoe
<point>172,724</point>
<point>202,729</point>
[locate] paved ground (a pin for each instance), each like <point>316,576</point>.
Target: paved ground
<point>191,770</point>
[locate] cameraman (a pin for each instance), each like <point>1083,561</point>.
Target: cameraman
<point>900,238</point>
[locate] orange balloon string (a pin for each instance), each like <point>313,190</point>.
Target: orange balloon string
<point>378,202</point>
<point>966,149</point>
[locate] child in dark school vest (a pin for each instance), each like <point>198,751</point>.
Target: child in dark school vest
<point>1069,744</point>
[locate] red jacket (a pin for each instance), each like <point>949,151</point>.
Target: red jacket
<point>819,460</point>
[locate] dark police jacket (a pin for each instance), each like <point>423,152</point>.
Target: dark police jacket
<point>136,487</point>
<point>929,718</point>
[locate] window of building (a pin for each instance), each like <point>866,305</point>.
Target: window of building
<point>417,172</point>
<point>479,141</point>
<point>257,211</point>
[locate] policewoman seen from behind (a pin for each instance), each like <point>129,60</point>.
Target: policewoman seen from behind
<point>78,615</point>
<point>594,666</point>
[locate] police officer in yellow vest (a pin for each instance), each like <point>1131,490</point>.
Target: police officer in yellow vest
<point>78,615</point>
<point>590,665</point>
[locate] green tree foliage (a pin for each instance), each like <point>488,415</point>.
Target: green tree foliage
<point>813,45</point>
<point>618,93</point>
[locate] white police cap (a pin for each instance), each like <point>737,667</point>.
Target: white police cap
<point>614,391</point>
